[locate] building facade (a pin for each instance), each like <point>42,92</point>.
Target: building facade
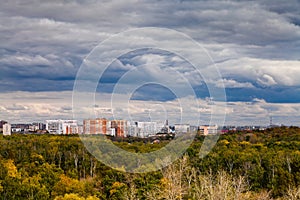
<point>6,129</point>
<point>182,128</point>
<point>39,125</point>
<point>118,128</point>
<point>2,122</point>
<point>208,130</point>
<point>62,126</point>
<point>95,126</point>
<point>146,129</point>
<point>103,126</point>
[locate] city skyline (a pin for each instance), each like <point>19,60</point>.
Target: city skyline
<point>38,123</point>
<point>255,46</point>
<point>123,128</point>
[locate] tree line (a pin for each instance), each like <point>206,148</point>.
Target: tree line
<point>256,165</point>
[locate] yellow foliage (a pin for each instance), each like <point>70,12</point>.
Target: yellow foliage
<point>224,142</point>
<point>37,157</point>
<point>164,181</point>
<point>67,185</point>
<point>67,180</point>
<point>112,191</point>
<point>70,196</point>
<point>32,181</point>
<point>12,170</point>
<point>297,153</point>
<point>115,187</point>
<point>244,143</point>
<point>1,187</point>
<point>73,196</point>
<point>258,145</point>
<point>92,198</point>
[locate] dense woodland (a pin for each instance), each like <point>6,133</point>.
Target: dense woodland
<point>253,165</point>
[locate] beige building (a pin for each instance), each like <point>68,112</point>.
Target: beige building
<point>208,130</point>
<point>6,129</point>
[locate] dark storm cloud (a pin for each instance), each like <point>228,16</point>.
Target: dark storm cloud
<point>43,43</point>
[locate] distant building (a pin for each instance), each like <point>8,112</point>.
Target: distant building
<point>62,126</point>
<point>133,130</point>
<point>117,128</point>
<point>16,130</point>
<point>70,128</point>
<point>208,130</point>
<point>33,128</point>
<point>182,128</point>
<point>25,128</point>
<point>228,128</point>
<point>53,126</point>
<point>163,127</point>
<point>2,122</point>
<point>80,129</point>
<point>145,129</point>
<point>95,126</point>
<point>39,126</point>
<point>106,127</point>
<point>6,129</point>
<point>194,129</point>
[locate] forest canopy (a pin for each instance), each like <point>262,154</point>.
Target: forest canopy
<point>243,165</point>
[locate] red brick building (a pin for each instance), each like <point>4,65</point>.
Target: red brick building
<point>107,127</point>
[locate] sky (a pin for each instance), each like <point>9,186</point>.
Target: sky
<point>254,45</point>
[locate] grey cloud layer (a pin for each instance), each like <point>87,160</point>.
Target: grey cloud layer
<point>40,106</point>
<point>255,44</point>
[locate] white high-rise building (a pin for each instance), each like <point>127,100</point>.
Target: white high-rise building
<point>182,128</point>
<point>62,126</point>
<point>143,129</point>
<point>6,129</point>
